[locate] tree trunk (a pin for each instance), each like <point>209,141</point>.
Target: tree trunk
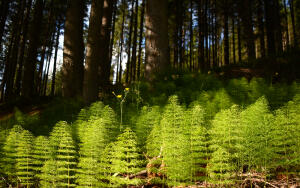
<point>246,15</point>
<point>226,34</point>
<point>134,46</point>
<point>201,37</point>
<point>157,45</point>
<point>261,28</point>
<point>239,41</point>
<point>278,27</point>
<point>22,47</point>
<point>34,40</point>
<point>291,3</point>
<point>121,44</point>
<point>13,56</point>
<point>73,53</point>
<point>233,41</point>
<point>93,53</point>
<point>141,40</point>
<point>129,42</point>
<point>191,36</point>
<point>105,63</point>
<point>287,35</point>
<point>55,59</point>
<point>4,13</point>
<point>270,27</point>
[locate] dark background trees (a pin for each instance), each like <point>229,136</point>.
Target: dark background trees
<point>121,42</point>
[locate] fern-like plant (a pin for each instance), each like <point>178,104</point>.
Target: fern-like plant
<point>126,160</point>
<point>198,142</point>
<point>91,147</point>
<point>257,122</point>
<point>149,117</point>
<point>9,160</point>
<point>41,153</point>
<point>219,167</point>
<point>175,144</point>
<point>63,155</point>
<point>25,160</point>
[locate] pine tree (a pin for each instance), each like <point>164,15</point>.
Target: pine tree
<point>25,160</point>
<point>63,155</point>
<point>126,160</point>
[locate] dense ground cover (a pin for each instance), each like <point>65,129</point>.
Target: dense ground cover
<point>186,129</point>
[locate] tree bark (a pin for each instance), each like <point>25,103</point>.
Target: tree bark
<point>226,34</point>
<point>157,45</point>
<point>22,47</point>
<point>246,15</point>
<point>4,13</point>
<point>239,41</point>
<point>134,46</point>
<point>13,56</point>
<point>129,42</point>
<point>261,28</point>
<point>55,59</point>
<point>291,3</point>
<point>141,40</point>
<point>287,35</point>
<point>270,27</point>
<point>34,41</point>
<point>233,40</point>
<point>93,53</point>
<point>105,63</point>
<point>73,53</point>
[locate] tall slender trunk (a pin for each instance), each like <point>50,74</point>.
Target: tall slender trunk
<point>201,37</point>
<point>128,64</point>
<point>45,43</point>
<point>270,27</point>
<point>226,34</point>
<point>246,15</point>
<point>72,69</point>
<point>55,59</point>
<point>291,3</point>
<point>105,63</point>
<point>287,35</point>
<point>191,36</point>
<point>13,56</point>
<point>278,27</point>
<point>157,43</point>
<point>141,39</point>
<point>22,47</point>
<point>121,43</point>
<point>206,34</point>
<point>3,16</point>
<point>112,38</point>
<point>233,41</point>
<point>28,89</point>
<point>134,46</point>
<point>239,41</point>
<point>93,53</point>
<point>261,28</point>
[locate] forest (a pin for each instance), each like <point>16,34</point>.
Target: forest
<point>150,93</point>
